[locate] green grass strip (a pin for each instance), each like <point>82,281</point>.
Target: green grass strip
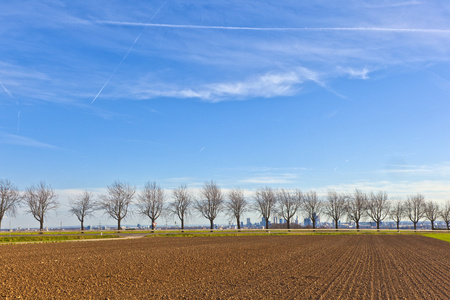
<point>4,233</point>
<point>18,239</point>
<point>439,236</point>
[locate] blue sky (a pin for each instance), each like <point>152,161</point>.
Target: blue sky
<point>294,94</point>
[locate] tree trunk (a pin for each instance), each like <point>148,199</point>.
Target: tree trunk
<point>212,223</point>
<point>288,224</point>
<point>182,224</point>
<point>41,225</point>
<point>448,225</point>
<point>357,224</point>
<point>336,223</point>
<point>153,222</point>
<point>82,226</point>
<point>314,223</point>
<point>118,224</point>
<point>432,225</point>
<point>378,224</point>
<point>267,223</point>
<point>415,223</point>
<point>238,223</point>
<point>398,225</point>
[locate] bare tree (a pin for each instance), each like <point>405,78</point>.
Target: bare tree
<point>313,206</point>
<point>118,197</point>
<point>445,214</point>
<point>335,206</point>
<point>40,199</point>
<point>182,203</point>
<point>151,202</point>
<point>289,203</point>
<point>356,206</point>
<point>265,203</point>
<point>9,199</point>
<point>212,202</point>
<point>378,207</point>
<point>431,212</point>
<point>82,206</point>
<point>236,205</point>
<point>415,208</point>
<point>397,212</point>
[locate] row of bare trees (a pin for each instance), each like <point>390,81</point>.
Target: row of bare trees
<point>38,200</point>
<point>152,202</point>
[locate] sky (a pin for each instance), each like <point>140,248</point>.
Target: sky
<point>288,94</point>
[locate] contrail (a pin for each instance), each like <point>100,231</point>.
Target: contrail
<point>18,121</point>
<point>8,92</point>
<point>382,29</point>
<point>17,103</point>
<point>128,52</point>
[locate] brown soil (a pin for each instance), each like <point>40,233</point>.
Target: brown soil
<point>256,267</point>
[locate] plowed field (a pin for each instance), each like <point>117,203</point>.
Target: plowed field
<point>256,267</point>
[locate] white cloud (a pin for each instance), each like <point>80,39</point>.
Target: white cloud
<point>286,178</point>
<point>432,189</point>
<point>441,169</point>
<point>394,4</point>
<point>270,84</point>
<point>354,73</point>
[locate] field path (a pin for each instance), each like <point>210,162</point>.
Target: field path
<point>256,267</point>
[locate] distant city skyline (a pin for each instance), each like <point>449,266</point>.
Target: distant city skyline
<point>309,95</point>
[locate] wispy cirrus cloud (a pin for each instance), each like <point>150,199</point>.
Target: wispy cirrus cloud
<point>432,189</point>
<point>267,85</point>
<point>441,169</point>
<point>356,73</point>
<point>275,179</point>
<point>394,4</point>
<point>13,139</point>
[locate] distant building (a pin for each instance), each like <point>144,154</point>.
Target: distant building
<point>242,224</point>
<point>248,222</point>
<point>307,222</point>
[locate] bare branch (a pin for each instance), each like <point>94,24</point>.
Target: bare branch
<point>9,199</point>
<point>40,199</point>
<point>265,203</point>
<point>431,212</point>
<point>445,214</point>
<point>118,197</point>
<point>356,206</point>
<point>212,202</point>
<point>335,206</point>
<point>82,206</point>
<point>378,207</point>
<point>151,202</point>
<point>236,205</point>
<point>289,203</point>
<point>415,208</point>
<point>182,203</point>
<point>313,206</point>
<point>397,212</point>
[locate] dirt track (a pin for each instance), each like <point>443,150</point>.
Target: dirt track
<point>283,267</point>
